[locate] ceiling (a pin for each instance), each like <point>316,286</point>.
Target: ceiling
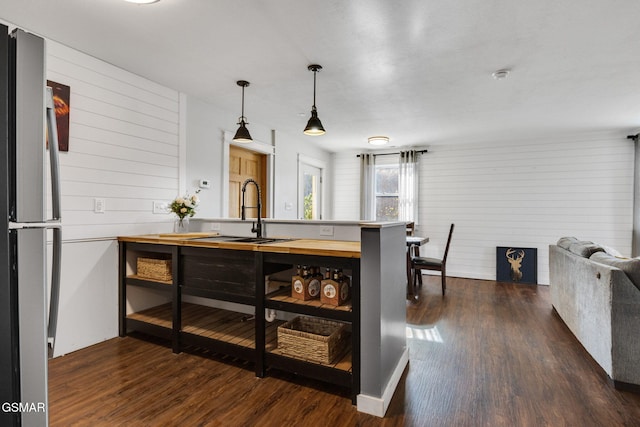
<point>418,71</point>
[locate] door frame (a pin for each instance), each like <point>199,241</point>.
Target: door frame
<point>322,165</point>
<point>258,147</point>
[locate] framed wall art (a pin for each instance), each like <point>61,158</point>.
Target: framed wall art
<point>61,100</point>
<point>519,265</point>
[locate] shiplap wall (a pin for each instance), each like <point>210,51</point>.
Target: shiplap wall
<point>123,147</point>
<point>346,186</point>
<point>519,193</point>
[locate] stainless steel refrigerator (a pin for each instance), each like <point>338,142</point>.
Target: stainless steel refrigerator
<point>28,306</point>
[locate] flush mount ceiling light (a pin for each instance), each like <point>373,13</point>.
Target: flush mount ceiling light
<point>501,74</point>
<point>142,1</point>
<point>242,135</point>
<point>378,140</point>
<point>314,126</point>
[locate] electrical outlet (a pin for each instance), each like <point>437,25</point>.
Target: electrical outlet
<point>99,206</point>
<point>160,207</point>
<point>215,226</point>
<point>326,230</point>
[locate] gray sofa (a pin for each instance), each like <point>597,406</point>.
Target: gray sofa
<point>597,295</point>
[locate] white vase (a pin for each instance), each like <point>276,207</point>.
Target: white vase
<point>181,225</point>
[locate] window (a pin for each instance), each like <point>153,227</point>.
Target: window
<point>311,185</point>
<point>310,174</point>
<point>386,190</point>
<point>389,186</point>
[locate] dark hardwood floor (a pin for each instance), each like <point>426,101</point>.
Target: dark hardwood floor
<point>486,354</point>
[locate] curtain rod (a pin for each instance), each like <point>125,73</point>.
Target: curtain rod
<point>389,154</point>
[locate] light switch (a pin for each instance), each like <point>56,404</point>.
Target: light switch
<point>326,230</point>
<point>160,207</point>
<point>99,205</point>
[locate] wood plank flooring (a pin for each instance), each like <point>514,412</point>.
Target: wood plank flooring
<point>486,354</point>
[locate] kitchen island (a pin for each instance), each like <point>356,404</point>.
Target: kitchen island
<point>230,295</point>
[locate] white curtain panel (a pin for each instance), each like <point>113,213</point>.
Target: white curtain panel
<point>408,186</point>
<point>367,187</point>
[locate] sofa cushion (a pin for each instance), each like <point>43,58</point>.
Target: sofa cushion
<point>566,242</point>
<point>630,266</point>
<point>612,251</point>
<point>585,249</point>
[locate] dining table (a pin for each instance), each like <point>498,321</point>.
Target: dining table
<point>413,249</point>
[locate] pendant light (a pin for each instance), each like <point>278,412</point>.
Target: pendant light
<point>242,135</point>
<point>314,126</point>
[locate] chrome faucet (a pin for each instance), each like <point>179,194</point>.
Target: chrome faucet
<point>256,228</point>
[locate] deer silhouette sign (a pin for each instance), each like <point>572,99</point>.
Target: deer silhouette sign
<point>515,259</point>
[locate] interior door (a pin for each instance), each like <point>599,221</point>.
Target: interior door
<point>311,182</point>
<point>245,164</point>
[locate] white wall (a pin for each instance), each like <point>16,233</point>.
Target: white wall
<point>346,187</point>
<point>286,167</point>
<point>524,193</point>
<point>88,310</point>
<point>205,139</point>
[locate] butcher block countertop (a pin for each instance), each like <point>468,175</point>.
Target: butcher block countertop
<point>336,248</point>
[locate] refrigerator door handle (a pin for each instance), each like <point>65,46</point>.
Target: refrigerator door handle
<point>56,265</point>
<point>52,128</point>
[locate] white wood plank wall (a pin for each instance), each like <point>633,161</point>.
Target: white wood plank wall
<point>520,193</point>
<point>526,194</point>
<point>123,147</point>
<point>346,186</point>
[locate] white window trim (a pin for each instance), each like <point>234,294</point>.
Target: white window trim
<point>320,164</point>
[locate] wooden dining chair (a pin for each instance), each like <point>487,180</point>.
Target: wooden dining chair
<point>411,226</point>
<point>419,263</point>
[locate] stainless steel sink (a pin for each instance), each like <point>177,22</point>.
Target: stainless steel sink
<point>215,238</point>
<point>260,240</point>
<point>256,240</point>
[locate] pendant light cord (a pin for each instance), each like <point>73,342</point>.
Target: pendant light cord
<point>242,117</point>
<point>314,89</point>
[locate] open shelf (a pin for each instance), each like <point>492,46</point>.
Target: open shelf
<point>224,331</point>
<point>284,295</point>
<point>136,280</point>
<point>156,321</point>
<point>340,373</point>
<point>159,316</point>
<point>222,325</point>
<point>283,301</point>
<point>342,362</point>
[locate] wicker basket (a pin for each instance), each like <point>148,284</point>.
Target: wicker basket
<point>315,340</point>
<point>153,268</point>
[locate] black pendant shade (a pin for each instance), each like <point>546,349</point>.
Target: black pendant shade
<point>314,125</point>
<point>242,135</point>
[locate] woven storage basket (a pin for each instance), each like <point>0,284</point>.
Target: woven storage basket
<point>153,268</point>
<point>316,340</point>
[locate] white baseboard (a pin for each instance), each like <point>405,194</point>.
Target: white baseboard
<point>378,405</point>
